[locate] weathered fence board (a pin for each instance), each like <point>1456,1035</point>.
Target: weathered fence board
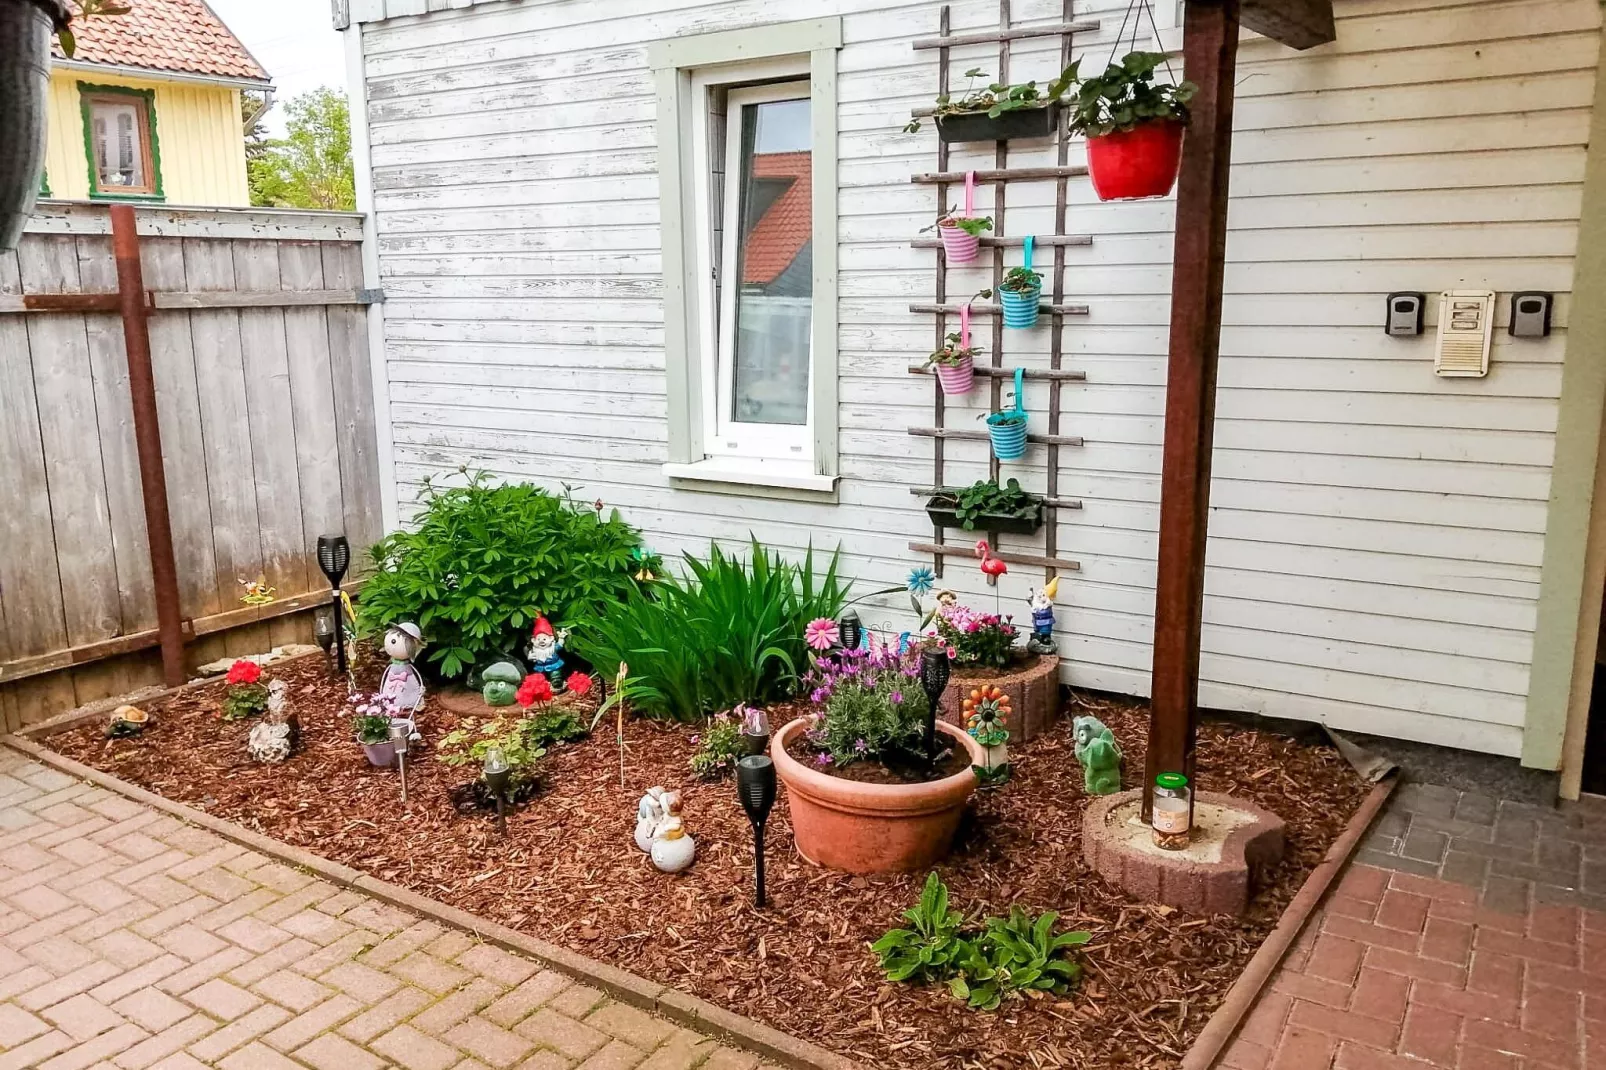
<point>266,416</point>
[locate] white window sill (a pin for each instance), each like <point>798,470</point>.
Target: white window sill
<point>753,472</point>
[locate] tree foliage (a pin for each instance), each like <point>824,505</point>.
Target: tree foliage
<point>311,166</point>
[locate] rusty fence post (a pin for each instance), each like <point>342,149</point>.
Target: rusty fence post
<point>148,441</point>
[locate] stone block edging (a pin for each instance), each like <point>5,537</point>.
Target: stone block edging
<point>1034,696</point>
<point>673,1004</point>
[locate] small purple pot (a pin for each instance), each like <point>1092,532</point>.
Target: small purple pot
<point>380,755</point>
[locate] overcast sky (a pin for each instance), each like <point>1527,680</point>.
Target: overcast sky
<point>294,40</point>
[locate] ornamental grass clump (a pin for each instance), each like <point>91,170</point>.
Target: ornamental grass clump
<point>974,638</point>
<point>870,708</point>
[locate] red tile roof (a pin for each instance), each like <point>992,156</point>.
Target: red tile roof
<point>183,36</point>
<point>783,231</point>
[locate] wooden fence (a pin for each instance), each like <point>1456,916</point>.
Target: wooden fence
<point>259,350</point>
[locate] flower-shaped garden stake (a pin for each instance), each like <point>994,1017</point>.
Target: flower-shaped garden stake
<point>985,710</point>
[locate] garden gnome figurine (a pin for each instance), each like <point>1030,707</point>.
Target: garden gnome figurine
<point>546,652</point>
<point>1100,756</point>
<point>672,848</point>
<point>649,811</point>
<point>1042,603</point>
<point>274,735</point>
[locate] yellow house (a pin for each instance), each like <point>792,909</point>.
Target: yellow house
<point>149,108</point>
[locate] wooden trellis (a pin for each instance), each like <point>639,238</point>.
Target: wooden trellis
<point>1055,308</point>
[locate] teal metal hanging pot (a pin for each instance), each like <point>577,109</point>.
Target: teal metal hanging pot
<point>1007,429</point>
<point>25,29</point>
<point>1020,306</point>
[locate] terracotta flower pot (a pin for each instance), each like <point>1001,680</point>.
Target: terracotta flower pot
<point>873,828</point>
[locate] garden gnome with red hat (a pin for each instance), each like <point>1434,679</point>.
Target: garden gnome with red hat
<point>546,652</point>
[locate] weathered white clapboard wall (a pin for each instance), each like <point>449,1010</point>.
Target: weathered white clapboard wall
<point>266,417</point>
<point>1376,531</point>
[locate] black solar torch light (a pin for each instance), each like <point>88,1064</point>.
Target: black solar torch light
<point>334,557</point>
<point>755,785</point>
<point>849,630</point>
<point>497,774</point>
<point>934,670</point>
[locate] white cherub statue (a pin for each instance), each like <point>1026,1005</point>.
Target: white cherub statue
<point>672,847</point>
<point>273,736</point>
<point>649,812</point>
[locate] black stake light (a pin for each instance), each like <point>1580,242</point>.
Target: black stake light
<point>849,630</point>
<point>755,786</point>
<point>497,774</point>
<point>934,670</point>
<point>334,557</point>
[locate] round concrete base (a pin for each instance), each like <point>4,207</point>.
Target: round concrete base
<point>1233,841</point>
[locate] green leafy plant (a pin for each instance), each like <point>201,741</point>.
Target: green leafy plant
<point>1126,95</point>
<point>245,700</point>
<point>372,728</point>
<point>997,98</point>
<point>485,560</point>
<point>554,727</point>
<point>985,498</point>
<point>1019,280</point>
<point>929,949</point>
<point>518,740</point>
<point>310,167</point>
<point>952,353</point>
<point>729,631</point>
<point>718,747</point>
<point>1008,958</point>
<point>975,226</point>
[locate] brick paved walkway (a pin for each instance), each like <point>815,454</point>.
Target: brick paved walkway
<point>1469,934</point>
<point>131,940</point>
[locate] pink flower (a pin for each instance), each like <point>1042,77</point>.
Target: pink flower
<point>820,633</point>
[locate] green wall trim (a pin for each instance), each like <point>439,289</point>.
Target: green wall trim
<point>672,61</point>
<point>1572,478</point>
<point>85,90</point>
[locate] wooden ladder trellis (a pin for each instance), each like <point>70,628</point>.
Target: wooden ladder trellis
<point>994,372</point>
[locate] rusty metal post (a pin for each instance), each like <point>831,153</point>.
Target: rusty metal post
<point>1210,53</point>
<point>148,440</point>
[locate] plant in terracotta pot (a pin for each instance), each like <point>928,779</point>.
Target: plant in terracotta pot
<point>955,364</point>
<point>987,505</point>
<point>1133,126</point>
<point>863,795</point>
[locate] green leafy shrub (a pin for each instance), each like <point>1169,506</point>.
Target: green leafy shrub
<point>985,498</point>
<point>556,726</point>
<point>999,97</point>
<point>718,748</point>
<point>729,632</point>
<point>1008,958</point>
<point>485,560</point>
<point>371,728</point>
<point>245,700</point>
<point>516,739</point>
<point>1126,95</point>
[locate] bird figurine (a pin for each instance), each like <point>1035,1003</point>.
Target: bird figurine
<point>649,812</point>
<point>991,567</point>
<point>672,849</point>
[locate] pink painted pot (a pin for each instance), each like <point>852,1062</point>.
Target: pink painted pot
<point>873,828</point>
<point>960,246</point>
<point>957,378</point>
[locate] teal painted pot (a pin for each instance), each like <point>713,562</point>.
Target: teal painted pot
<point>1009,436</point>
<point>1020,307</point>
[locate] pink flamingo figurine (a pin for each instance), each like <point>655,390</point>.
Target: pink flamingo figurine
<point>991,567</point>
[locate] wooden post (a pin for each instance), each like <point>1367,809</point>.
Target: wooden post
<point>1210,52</point>
<point>148,442</point>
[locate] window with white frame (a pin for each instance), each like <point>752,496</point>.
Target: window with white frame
<point>750,335</point>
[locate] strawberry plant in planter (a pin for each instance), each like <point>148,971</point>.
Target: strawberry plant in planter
<point>955,364</point>
<point>1133,127</point>
<point>961,235</point>
<point>986,506</point>
<point>999,112</point>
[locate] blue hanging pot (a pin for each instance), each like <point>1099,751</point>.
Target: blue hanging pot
<point>1020,306</point>
<point>1007,429</point>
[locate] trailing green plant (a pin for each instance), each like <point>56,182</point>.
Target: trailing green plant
<point>1008,958</point>
<point>872,707</point>
<point>518,740</point>
<point>931,947</point>
<point>952,353</point>
<point>729,631</point>
<point>485,560</point>
<point>718,747</point>
<point>985,498</point>
<point>371,728</point>
<point>996,98</point>
<point>1126,95</point>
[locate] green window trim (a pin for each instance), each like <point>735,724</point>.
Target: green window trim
<point>44,182</point>
<point>88,90</point>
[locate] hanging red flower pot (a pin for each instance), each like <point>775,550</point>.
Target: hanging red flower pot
<point>1141,162</point>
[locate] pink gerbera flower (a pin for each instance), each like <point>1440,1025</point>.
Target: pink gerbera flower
<point>820,633</point>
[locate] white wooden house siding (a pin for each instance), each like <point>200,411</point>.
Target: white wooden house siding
<point>1376,532</point>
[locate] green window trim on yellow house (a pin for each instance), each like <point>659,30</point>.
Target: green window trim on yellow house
<point>87,94</point>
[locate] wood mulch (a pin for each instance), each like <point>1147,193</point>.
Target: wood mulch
<point>569,873</point>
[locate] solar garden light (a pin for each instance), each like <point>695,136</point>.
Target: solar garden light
<point>934,670</point>
<point>849,630</point>
<point>399,731</point>
<point>323,628</point>
<point>334,557</point>
<point>497,774</point>
<point>755,786</point>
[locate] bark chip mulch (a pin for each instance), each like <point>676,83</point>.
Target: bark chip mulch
<point>569,873</point>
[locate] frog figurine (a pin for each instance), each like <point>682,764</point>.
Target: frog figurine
<point>546,652</point>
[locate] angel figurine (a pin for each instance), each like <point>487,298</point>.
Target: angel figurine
<point>649,811</point>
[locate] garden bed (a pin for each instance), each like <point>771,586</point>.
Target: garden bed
<point>569,873</point>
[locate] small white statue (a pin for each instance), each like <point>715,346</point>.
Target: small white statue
<point>672,849</point>
<point>649,812</point>
<point>272,737</point>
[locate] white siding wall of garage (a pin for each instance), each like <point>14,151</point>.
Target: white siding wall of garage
<point>1376,532</point>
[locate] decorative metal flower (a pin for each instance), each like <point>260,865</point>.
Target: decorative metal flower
<point>820,633</point>
<point>921,580</point>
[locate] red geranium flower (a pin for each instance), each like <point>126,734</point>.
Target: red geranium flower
<point>535,688</point>
<point>244,672</point>
<point>578,682</point>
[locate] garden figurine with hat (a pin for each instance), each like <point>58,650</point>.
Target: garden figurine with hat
<point>546,651</point>
<point>402,683</point>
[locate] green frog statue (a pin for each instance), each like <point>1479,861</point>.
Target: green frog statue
<point>1100,756</point>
